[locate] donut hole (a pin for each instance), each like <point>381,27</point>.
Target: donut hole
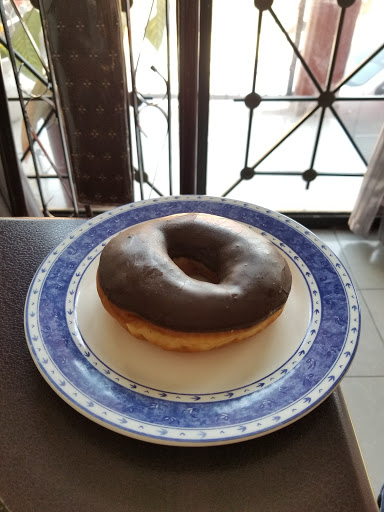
<point>196,269</point>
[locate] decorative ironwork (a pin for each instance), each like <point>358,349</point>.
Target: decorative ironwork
<point>47,79</point>
<point>24,98</point>
<point>325,100</point>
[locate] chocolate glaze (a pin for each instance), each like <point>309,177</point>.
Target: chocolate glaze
<point>136,272</point>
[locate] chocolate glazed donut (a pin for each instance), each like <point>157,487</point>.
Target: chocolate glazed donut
<point>143,271</point>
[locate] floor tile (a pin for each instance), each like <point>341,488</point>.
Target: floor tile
<point>366,261</point>
<point>369,358</point>
<point>365,399</point>
<point>375,302</point>
<point>346,235</point>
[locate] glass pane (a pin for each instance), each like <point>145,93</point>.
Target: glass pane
<point>149,48</point>
<point>364,120</point>
<point>341,145</point>
<point>288,193</point>
<point>146,53</point>
<point>273,122</point>
<point>336,153</point>
<point>367,38</point>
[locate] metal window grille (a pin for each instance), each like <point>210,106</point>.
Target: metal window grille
<point>194,24</point>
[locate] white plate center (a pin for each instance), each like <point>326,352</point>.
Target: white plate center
<point>218,370</point>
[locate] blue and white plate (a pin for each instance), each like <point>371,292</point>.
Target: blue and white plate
<point>231,394</point>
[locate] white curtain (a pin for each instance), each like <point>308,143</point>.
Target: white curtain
<point>370,201</point>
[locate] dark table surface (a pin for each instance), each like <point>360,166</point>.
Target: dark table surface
<point>54,459</point>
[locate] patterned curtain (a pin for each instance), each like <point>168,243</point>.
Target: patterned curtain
<point>370,201</point>
<point>85,45</point>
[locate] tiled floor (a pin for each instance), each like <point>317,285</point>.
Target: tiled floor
<point>363,386</point>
